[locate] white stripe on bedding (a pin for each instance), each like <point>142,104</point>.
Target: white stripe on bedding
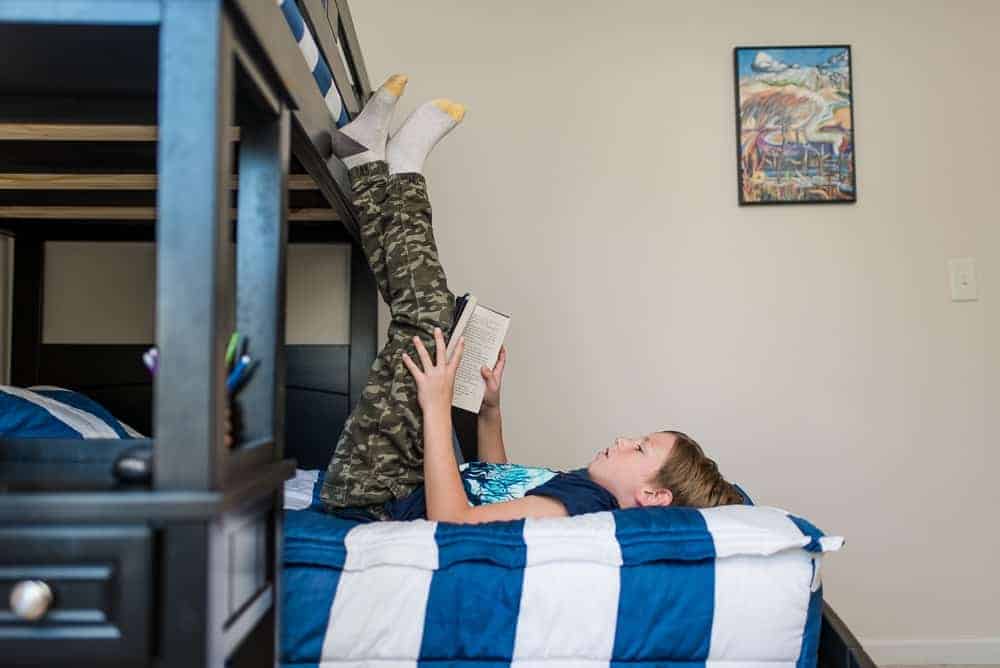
<point>299,490</point>
<point>333,102</point>
<point>380,634</point>
<point>409,544</point>
<point>589,537</point>
<point>309,49</point>
<point>751,530</point>
<point>585,592</point>
<point>130,431</point>
<point>87,424</point>
<point>760,605</point>
<point>365,663</point>
<point>749,664</point>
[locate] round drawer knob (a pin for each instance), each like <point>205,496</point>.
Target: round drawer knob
<point>30,599</point>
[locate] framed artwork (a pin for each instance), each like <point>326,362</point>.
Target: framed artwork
<point>794,124</point>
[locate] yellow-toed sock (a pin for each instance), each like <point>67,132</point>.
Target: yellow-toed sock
<point>371,127</point>
<point>425,127</point>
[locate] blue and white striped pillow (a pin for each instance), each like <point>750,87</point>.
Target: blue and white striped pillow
<point>55,412</point>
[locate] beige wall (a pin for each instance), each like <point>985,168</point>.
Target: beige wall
<point>105,293</point>
<point>813,349</point>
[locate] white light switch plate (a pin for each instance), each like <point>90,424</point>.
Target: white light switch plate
<point>962,271</point>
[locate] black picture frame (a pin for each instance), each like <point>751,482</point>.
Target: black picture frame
<point>770,172</point>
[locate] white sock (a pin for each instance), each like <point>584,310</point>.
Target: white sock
<point>425,127</point>
<point>371,127</point>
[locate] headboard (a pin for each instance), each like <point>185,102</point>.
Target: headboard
<point>317,390</point>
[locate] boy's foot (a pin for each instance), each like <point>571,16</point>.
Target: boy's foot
<point>371,127</point>
<point>425,127</point>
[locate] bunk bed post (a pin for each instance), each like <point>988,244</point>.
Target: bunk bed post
<point>193,253</point>
<point>27,293</point>
<point>262,244</point>
<point>262,238</point>
<point>194,258</point>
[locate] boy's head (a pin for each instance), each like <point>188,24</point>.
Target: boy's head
<point>661,469</point>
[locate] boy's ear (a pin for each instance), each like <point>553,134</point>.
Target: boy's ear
<point>649,496</point>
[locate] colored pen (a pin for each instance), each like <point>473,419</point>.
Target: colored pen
<point>244,378</point>
<point>237,371</point>
<point>231,348</point>
<point>147,360</point>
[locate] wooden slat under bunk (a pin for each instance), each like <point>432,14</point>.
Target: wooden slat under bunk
<point>23,189</point>
<point>129,213</point>
<point>33,181</point>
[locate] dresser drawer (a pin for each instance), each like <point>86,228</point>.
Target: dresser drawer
<point>100,579</point>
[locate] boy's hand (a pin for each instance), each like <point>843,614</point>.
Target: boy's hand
<point>493,378</point>
<point>435,382</point>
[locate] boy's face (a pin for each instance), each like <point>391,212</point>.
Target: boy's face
<point>626,469</point>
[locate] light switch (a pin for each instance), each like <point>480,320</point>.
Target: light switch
<point>962,271</point>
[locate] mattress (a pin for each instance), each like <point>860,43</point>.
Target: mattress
<point>729,586</point>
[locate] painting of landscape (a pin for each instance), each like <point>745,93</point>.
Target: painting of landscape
<point>795,125</point>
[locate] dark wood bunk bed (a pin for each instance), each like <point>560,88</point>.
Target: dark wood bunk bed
<point>192,124</point>
<point>104,137</point>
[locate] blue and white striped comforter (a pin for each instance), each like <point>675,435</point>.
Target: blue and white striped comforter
<point>730,586</point>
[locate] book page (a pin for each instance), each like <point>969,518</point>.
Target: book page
<point>484,334</point>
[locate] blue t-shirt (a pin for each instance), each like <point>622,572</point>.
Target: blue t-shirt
<point>495,483</point>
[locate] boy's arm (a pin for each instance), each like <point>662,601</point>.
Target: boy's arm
<point>489,424</point>
<point>446,500</point>
<point>489,433</point>
<point>435,388</point>
<point>518,509</point>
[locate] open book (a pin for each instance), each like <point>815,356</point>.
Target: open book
<point>484,330</point>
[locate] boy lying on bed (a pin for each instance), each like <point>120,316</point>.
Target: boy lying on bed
<point>394,458</point>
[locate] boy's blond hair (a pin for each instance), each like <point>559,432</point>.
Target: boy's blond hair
<point>693,478</point>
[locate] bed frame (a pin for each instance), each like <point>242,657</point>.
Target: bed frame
<point>186,571</point>
<point>190,123</point>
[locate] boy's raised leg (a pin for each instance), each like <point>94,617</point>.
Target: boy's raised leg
<point>369,172</point>
<point>379,455</point>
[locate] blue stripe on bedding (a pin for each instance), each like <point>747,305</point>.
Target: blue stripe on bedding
<point>810,636</point>
<point>683,528</point>
<point>310,588</point>
<point>294,18</point>
<point>85,403</point>
<point>670,603</point>
<point>666,612</point>
<point>323,77</point>
<point>315,539</point>
<point>808,529</point>
<point>455,623</point>
<point>503,546</point>
<point>20,418</point>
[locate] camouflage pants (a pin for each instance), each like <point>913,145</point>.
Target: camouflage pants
<point>379,455</point>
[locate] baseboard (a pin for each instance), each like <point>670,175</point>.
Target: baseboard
<point>971,651</point>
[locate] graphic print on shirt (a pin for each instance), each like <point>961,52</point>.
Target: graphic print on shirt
<point>496,483</point>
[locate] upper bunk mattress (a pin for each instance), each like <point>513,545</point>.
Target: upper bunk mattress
<point>315,61</point>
